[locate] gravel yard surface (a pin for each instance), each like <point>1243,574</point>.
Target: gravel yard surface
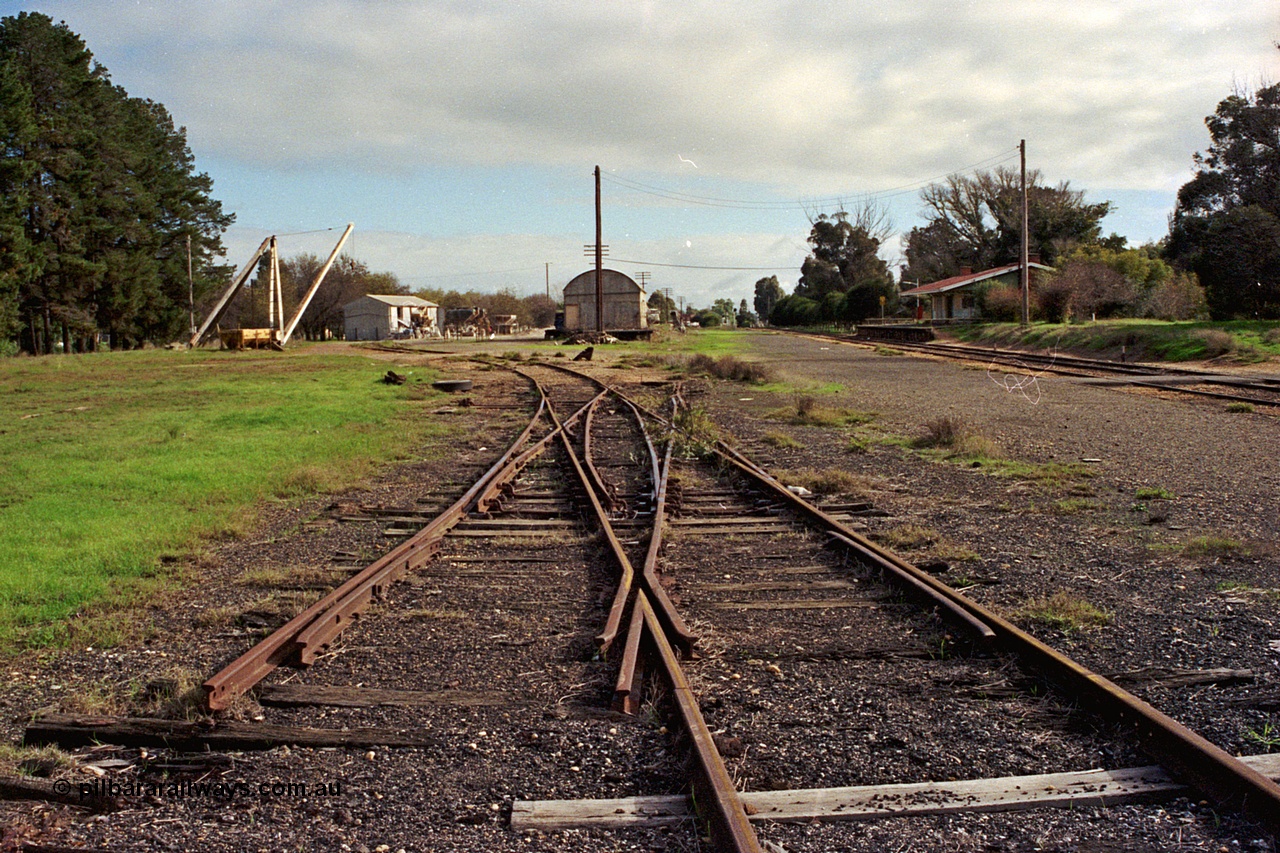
<point>1158,513</point>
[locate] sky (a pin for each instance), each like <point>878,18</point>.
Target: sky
<point>461,137</point>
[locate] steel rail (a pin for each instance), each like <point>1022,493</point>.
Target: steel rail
<point>602,488</point>
<point>1185,754</point>
<point>1141,376</point>
<point>715,798</point>
<point>605,639</point>
<point>498,487</point>
<point>328,625</point>
<point>672,621</point>
<point>301,637</point>
<point>626,690</point>
<point>680,633</point>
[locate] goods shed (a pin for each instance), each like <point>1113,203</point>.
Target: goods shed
<point>624,302</point>
<point>377,317</point>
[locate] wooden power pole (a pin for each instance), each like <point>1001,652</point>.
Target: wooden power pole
<point>599,261</point>
<point>1022,253</point>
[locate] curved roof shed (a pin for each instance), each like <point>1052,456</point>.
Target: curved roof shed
<point>624,302</point>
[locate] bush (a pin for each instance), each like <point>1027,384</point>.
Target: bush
<point>1179,298</point>
<point>1053,300</point>
<point>942,432</point>
<point>1216,342</point>
<point>1096,290</point>
<point>794,311</point>
<point>1001,304</point>
<point>728,367</point>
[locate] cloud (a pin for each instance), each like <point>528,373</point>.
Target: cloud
<point>813,97</point>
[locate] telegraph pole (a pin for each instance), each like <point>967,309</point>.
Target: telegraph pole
<point>599,261</point>
<point>548,279</point>
<point>1022,254</point>
<point>191,289</point>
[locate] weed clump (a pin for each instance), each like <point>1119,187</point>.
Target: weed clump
<point>695,433</point>
<point>806,411</point>
<point>829,481</point>
<point>1153,493</point>
<point>1214,545</point>
<point>942,432</point>
<point>731,368</point>
<point>1066,612</point>
<point>780,440</point>
<point>1215,342</point>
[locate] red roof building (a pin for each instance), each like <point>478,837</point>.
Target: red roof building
<point>956,298</point>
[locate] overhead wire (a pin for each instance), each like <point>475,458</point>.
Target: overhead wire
<point>798,204</point>
<point>701,267</point>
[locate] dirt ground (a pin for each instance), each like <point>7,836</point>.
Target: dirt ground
<point>1164,523</point>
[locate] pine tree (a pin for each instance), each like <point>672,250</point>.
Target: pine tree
<point>100,195</point>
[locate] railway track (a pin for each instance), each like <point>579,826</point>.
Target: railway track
<point>1263,391</point>
<point>608,560</point>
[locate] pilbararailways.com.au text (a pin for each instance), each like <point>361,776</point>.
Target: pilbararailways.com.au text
<point>178,790</point>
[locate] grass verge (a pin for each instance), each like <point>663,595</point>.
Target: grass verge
<point>115,467</point>
<point>1241,340</point>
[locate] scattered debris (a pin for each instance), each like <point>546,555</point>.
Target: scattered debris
<point>580,338</point>
<point>393,378</point>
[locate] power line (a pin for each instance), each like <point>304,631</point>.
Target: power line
<point>314,231</point>
<point>799,204</point>
<point>699,267</point>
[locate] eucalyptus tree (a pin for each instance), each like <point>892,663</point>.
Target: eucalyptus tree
<point>976,221</point>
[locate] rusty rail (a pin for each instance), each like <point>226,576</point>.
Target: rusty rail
<point>671,620</point>
<point>715,797</point>
<point>607,636</point>
<point>603,489</point>
<point>1186,755</point>
<point>303,636</point>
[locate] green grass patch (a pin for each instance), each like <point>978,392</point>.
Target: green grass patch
<point>780,440</point>
<point>730,367</point>
<point>858,444</point>
<point>805,410</point>
<point>115,466</point>
<point>1247,341</point>
<point>810,388</point>
<point>1240,407</point>
<point>828,481</point>
<point>949,438</point>
<point>1153,493</point>
<point>1075,506</point>
<point>1214,545</point>
<point>1065,612</point>
<point>710,342</point>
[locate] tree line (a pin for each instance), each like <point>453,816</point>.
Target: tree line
<point>99,201</point>
<point>1220,259</point>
